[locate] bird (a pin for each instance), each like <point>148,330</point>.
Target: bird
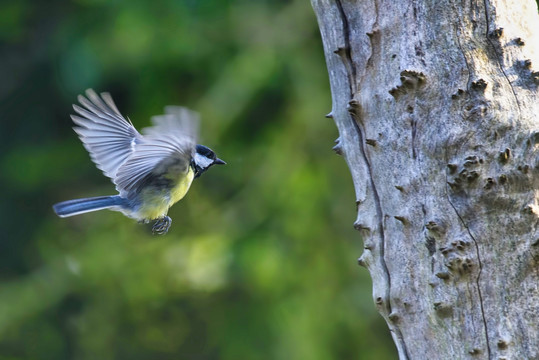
<point>152,170</point>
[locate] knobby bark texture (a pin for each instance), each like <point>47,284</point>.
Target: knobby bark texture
<point>436,103</point>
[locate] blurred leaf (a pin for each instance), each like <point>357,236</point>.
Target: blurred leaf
<point>13,15</point>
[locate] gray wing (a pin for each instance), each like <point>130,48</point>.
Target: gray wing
<point>105,133</point>
<point>169,142</point>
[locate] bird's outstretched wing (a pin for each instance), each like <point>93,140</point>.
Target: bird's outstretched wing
<point>122,153</point>
<point>166,148</point>
<point>105,133</point>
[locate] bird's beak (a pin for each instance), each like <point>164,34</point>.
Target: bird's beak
<point>219,162</point>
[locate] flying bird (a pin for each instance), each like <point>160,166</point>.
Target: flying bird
<point>152,171</point>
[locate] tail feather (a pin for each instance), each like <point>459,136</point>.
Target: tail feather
<point>81,206</point>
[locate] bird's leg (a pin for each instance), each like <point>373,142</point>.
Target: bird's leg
<point>161,226</point>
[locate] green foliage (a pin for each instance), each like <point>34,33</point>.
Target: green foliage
<point>260,262</point>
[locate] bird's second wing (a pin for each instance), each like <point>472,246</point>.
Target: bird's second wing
<point>105,133</point>
<point>166,148</point>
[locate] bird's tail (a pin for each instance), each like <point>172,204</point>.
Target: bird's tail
<point>81,206</point>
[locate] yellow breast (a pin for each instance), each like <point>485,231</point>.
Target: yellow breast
<point>156,202</point>
<point>178,192</point>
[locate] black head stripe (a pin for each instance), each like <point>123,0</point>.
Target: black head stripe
<point>205,151</point>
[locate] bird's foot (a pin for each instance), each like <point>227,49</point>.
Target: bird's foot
<point>161,226</point>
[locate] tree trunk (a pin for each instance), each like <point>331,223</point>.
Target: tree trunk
<point>437,108</point>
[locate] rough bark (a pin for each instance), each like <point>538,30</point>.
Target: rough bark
<point>437,108</point>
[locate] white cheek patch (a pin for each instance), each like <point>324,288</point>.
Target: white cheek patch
<point>202,161</point>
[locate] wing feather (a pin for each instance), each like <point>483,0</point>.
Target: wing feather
<point>85,123</point>
<point>104,132</point>
<point>110,103</point>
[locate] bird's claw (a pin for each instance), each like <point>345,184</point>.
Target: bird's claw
<point>161,226</point>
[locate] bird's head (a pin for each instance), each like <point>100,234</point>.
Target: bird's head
<point>204,158</point>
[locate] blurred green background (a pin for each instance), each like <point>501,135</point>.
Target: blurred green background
<point>260,262</point>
